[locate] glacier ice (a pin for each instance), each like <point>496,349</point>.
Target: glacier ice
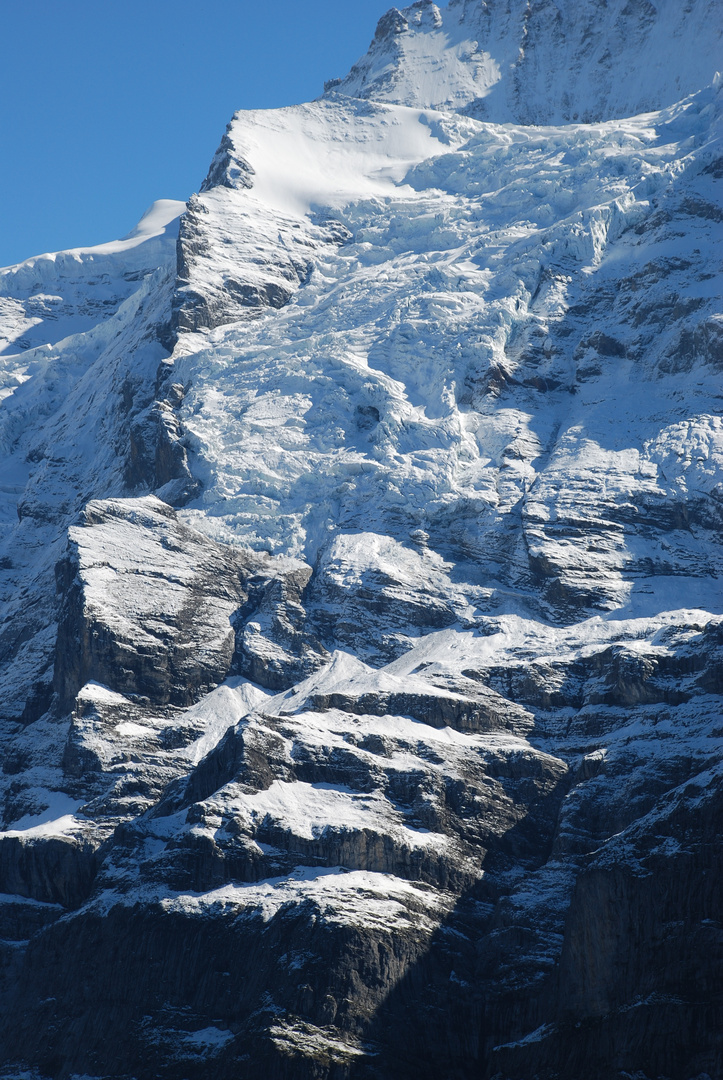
<point>360,529</point>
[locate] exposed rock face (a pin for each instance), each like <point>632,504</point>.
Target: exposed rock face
<point>362,645</point>
<point>493,59</point>
<point>52,870</point>
<point>279,251</point>
<point>148,605</point>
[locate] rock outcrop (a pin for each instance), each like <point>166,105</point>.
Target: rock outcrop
<point>148,605</point>
<point>493,60</point>
<point>361,656</point>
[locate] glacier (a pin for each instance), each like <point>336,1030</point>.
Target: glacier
<point>361,642</point>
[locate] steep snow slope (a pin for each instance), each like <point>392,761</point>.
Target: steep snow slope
<point>361,579</point>
<point>540,62</point>
<point>50,297</point>
<point>439,368</point>
<point>68,405</point>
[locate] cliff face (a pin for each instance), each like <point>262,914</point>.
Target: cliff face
<point>362,652</point>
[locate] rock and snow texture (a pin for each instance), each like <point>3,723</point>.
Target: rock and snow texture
<point>51,297</point>
<point>467,364</point>
<point>539,62</point>
<point>362,639</point>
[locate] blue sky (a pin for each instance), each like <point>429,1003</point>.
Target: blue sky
<point>106,105</point>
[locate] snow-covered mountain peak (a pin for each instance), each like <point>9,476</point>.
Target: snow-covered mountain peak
<point>295,160</point>
<point>539,62</point>
<point>48,297</point>
<point>160,219</point>
<point>361,630</point>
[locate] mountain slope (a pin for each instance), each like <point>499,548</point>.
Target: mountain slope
<point>540,62</point>
<point>362,630</point>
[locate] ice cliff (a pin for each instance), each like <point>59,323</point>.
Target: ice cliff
<point>362,627</point>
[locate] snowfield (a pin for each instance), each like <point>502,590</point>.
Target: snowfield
<point>365,404</point>
<point>360,563</point>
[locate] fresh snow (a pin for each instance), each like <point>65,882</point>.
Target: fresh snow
<point>50,297</point>
<point>495,60</point>
<point>222,709</point>
<point>343,896</point>
<point>357,414</point>
<point>484,421</point>
<point>341,152</point>
<point>311,809</point>
<point>58,817</point>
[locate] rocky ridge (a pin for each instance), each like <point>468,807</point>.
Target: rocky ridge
<point>362,634</point>
<point>537,62</point>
